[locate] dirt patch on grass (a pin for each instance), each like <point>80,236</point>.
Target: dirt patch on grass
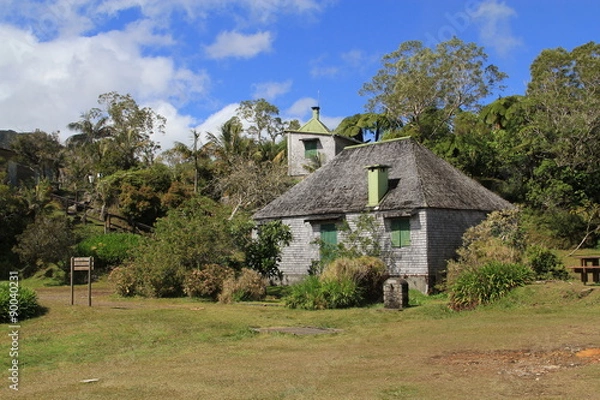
<point>298,330</point>
<point>520,363</point>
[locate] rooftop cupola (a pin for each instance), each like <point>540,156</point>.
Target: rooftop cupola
<point>377,180</point>
<point>314,125</point>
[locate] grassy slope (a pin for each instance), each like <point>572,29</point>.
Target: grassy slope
<point>183,349</point>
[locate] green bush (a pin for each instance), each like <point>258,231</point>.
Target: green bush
<point>313,293</point>
<point>486,284</point>
<point>208,281</point>
<point>152,280</point>
<point>546,264</point>
<point>306,294</point>
<point>18,302</point>
<point>249,286</point>
<point>111,249</point>
<point>341,293</point>
<point>160,280</point>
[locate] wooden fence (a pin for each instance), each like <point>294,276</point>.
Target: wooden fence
<point>111,222</point>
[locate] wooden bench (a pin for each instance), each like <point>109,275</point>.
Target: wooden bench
<point>588,264</point>
<point>584,271</point>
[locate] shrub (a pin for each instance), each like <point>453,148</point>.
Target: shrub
<point>368,273</point>
<point>546,264</point>
<point>208,281</point>
<point>28,306</point>
<point>153,280</point>
<point>124,281</point>
<point>306,294</point>
<point>499,238</point>
<point>486,284</point>
<point>249,286</point>
<point>160,280</point>
<point>109,249</point>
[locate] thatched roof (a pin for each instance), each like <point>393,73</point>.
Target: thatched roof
<point>418,179</point>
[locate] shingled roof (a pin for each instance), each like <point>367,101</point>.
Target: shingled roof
<point>418,179</point>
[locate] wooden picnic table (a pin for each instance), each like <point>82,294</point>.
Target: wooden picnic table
<point>588,264</point>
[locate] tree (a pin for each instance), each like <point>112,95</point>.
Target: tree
<point>197,156</point>
<point>263,253</point>
<point>14,217</point>
<point>229,143</point>
<point>196,234</point>
<point>563,128</point>
<point>565,88</point>
<point>415,79</point>
<point>47,240</point>
<point>40,151</point>
<point>359,126</point>
<point>118,134</point>
<point>91,127</point>
<point>136,193</point>
<point>264,119</point>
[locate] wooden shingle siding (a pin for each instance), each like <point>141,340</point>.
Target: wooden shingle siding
<point>297,257</point>
<point>444,235</point>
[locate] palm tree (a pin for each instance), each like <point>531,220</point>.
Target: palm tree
<point>91,127</point>
<point>229,144</point>
<point>193,154</point>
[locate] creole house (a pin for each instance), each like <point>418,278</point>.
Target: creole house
<point>421,203</point>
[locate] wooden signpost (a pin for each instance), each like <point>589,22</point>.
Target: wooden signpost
<point>82,264</point>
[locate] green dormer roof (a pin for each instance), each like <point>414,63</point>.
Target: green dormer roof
<point>314,125</point>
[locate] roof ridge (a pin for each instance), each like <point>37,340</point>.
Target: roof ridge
<point>418,173</point>
<point>380,142</point>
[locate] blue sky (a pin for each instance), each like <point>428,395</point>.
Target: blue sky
<point>193,61</point>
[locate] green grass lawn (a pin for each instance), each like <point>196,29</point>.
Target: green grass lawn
<point>521,347</point>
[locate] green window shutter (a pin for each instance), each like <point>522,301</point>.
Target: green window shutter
<point>400,232</point>
<point>310,148</point>
<point>329,234</point>
<point>328,242</point>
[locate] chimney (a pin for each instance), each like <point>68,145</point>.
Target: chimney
<point>315,112</point>
<point>377,178</point>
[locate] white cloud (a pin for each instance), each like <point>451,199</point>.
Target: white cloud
<point>271,90</point>
<point>493,19</point>
<point>214,122</point>
<point>47,85</point>
<point>235,44</point>
<point>178,126</point>
<point>301,109</point>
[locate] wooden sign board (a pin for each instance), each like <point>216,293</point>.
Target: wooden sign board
<point>82,264</point>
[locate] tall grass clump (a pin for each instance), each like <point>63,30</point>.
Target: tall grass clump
<point>250,285</point>
<point>487,283</point>
<point>345,282</point>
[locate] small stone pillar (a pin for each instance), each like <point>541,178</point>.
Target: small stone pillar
<point>395,293</point>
